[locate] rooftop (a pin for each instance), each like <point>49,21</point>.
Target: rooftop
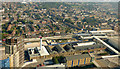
<point>59,49</point>
<point>73,57</point>
<point>37,52</point>
<point>105,31</point>
<point>86,47</point>
<point>48,49</point>
<point>85,44</point>
<point>12,37</point>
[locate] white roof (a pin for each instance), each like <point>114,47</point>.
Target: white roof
<point>105,31</point>
<point>43,51</point>
<point>56,65</point>
<point>110,56</point>
<point>85,44</point>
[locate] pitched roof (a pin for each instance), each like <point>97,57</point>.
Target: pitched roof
<point>59,49</point>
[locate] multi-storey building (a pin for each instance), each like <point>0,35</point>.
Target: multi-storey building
<point>15,49</point>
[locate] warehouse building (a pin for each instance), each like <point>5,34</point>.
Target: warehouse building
<point>69,48</point>
<point>37,52</point>
<point>114,41</point>
<point>59,49</point>
<point>76,60</point>
<point>49,49</point>
<point>87,46</point>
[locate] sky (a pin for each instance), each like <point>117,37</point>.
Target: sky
<point>61,0</point>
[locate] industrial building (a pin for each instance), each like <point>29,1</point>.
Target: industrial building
<point>103,31</point>
<point>91,45</point>
<point>88,46</point>
<point>49,49</point>
<point>14,47</point>
<point>114,41</point>
<point>59,49</point>
<point>69,48</point>
<point>36,52</point>
<point>76,60</point>
<point>56,66</point>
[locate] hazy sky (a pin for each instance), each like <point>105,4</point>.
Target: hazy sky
<point>61,0</point>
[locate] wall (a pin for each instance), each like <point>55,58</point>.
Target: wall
<point>78,62</point>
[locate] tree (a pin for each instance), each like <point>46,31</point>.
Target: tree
<point>62,59</point>
<point>54,59</point>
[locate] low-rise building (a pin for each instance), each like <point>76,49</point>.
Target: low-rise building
<point>59,49</point>
<point>76,60</point>
<point>69,48</point>
<point>37,52</point>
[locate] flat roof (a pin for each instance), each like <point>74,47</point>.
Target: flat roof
<point>55,65</point>
<point>84,44</point>
<point>114,39</point>
<point>105,63</point>
<point>74,57</point>
<point>102,31</point>
<point>41,52</point>
<point>90,47</point>
<point>13,37</point>
<point>115,42</point>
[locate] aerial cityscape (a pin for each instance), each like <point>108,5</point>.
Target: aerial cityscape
<point>59,35</point>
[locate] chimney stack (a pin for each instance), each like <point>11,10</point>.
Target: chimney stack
<point>40,42</point>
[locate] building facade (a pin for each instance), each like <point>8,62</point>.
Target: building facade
<point>76,60</point>
<point>15,49</point>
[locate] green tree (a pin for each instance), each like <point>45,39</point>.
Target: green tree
<point>54,59</point>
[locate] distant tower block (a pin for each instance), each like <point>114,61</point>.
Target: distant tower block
<point>40,42</point>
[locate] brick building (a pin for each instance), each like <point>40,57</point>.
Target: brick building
<point>76,60</point>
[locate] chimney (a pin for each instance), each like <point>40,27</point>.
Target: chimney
<point>40,42</point>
